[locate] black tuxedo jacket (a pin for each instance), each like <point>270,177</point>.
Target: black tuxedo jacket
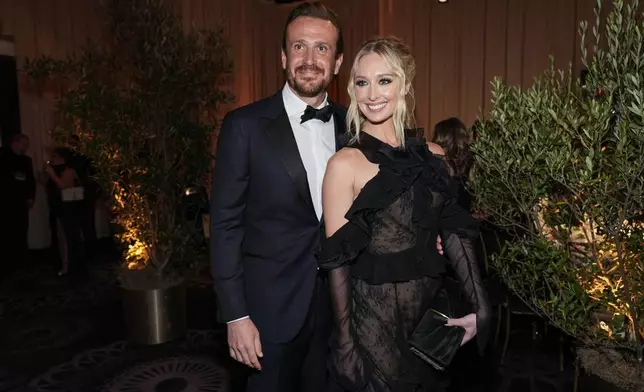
<point>264,231</point>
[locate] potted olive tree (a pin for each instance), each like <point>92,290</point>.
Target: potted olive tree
<point>142,106</point>
<point>560,165</point>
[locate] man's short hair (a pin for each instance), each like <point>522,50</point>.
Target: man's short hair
<point>316,10</point>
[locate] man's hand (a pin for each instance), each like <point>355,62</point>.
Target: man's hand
<point>439,245</point>
<point>244,343</point>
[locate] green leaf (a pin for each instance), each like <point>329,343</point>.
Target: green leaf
<point>559,169</point>
<point>136,108</point>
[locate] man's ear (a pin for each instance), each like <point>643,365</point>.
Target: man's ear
<point>338,63</point>
<point>283,59</point>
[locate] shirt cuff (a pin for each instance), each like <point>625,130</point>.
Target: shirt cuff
<point>235,320</point>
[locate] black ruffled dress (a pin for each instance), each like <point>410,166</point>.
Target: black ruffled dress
<point>384,268</point>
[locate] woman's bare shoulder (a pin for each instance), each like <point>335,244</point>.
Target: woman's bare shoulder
<point>345,158</point>
<point>435,148</point>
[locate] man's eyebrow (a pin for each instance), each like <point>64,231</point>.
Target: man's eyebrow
<point>315,43</point>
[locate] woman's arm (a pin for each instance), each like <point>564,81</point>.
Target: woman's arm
<point>337,191</point>
<point>66,179</point>
<point>458,230</point>
<point>337,198</point>
<point>439,152</point>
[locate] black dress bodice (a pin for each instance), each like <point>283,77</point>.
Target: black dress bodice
<point>394,221</point>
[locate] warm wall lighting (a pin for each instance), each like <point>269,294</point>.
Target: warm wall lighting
<point>442,1</point>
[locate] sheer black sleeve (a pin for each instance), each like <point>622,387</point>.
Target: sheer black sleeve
<point>346,362</point>
<point>458,230</point>
<point>338,253</point>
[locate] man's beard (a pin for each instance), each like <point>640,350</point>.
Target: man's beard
<point>307,90</point>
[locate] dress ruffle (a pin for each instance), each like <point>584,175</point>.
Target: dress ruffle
<point>399,171</point>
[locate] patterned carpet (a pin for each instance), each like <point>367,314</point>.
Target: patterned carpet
<point>190,365</point>
<point>57,336</point>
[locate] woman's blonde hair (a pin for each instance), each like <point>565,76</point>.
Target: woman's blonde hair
<point>399,58</point>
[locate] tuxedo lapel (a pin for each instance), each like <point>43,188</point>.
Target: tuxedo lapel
<point>281,136</point>
<point>339,125</point>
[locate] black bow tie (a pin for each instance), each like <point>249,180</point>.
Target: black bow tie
<point>323,114</point>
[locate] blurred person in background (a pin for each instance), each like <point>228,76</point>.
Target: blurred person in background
<point>66,210</point>
<point>455,138</point>
<point>17,195</point>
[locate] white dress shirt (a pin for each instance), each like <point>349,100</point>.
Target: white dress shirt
<point>315,140</point>
<point>316,143</point>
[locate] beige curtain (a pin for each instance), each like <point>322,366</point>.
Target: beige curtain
<point>45,27</point>
<point>459,47</point>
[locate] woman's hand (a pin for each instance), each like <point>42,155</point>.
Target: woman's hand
<point>468,323</point>
<point>480,217</point>
<point>49,170</point>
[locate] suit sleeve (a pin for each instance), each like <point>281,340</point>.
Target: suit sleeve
<point>227,209</point>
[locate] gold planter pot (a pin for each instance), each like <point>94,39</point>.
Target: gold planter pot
<point>154,316</point>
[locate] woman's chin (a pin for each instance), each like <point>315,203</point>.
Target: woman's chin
<point>378,120</point>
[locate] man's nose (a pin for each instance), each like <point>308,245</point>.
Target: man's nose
<point>308,57</point>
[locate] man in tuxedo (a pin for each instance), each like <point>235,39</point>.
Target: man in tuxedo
<point>266,213</point>
<point>17,194</point>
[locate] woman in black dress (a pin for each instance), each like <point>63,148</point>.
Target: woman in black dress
<point>66,213</point>
<point>386,197</point>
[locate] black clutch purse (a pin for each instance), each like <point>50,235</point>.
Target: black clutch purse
<point>432,340</point>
